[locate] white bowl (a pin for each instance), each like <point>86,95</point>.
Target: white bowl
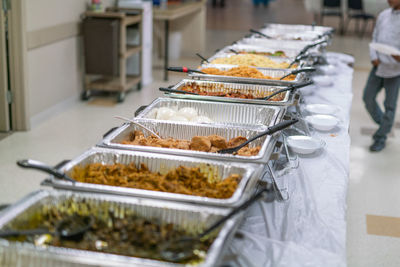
<point>322,122</point>
<point>321,109</point>
<point>328,69</point>
<point>302,144</point>
<point>323,80</point>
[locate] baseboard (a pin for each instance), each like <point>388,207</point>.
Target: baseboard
<point>54,110</point>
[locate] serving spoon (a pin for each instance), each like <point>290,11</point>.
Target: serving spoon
<point>137,124</point>
<point>271,130</point>
<point>183,248</point>
<point>37,165</point>
<point>184,69</point>
<point>71,228</point>
<point>202,58</point>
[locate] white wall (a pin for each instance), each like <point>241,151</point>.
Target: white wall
<point>54,70</point>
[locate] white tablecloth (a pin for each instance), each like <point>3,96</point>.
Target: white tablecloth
<point>310,228</point>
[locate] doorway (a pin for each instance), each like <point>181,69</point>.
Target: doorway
<point>5,101</point>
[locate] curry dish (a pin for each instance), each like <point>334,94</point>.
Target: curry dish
<point>245,72</point>
<point>221,91</point>
<point>211,143</point>
<point>182,180</point>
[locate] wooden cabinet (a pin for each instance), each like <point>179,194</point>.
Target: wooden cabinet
<point>103,47</point>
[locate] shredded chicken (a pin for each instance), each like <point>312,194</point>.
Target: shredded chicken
<point>182,180</point>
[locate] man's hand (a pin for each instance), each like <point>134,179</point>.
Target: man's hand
<point>376,62</point>
<point>397,58</point>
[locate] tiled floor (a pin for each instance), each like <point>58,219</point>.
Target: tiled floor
<point>374,178</point>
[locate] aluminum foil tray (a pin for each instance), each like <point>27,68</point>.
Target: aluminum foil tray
<point>190,217</point>
<point>270,72</point>
<point>285,35</point>
<point>219,113</point>
<point>276,59</point>
<point>298,28</point>
<point>259,90</point>
<point>161,163</point>
<point>185,131</point>
<point>291,53</point>
<point>280,45</point>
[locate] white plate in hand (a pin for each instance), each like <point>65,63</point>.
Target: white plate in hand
<point>385,49</point>
<point>322,122</point>
<point>322,109</point>
<point>302,144</point>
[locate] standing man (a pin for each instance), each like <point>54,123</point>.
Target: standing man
<point>384,74</point>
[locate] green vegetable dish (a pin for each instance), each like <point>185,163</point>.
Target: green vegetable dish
<point>114,229</point>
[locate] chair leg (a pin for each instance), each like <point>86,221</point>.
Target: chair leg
<point>364,28</point>
<point>358,22</point>
<point>341,24</point>
<point>346,25</point>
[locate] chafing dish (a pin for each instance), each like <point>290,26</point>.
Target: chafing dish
<point>192,218</point>
<point>161,163</point>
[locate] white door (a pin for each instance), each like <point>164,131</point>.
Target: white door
<point>4,105</point>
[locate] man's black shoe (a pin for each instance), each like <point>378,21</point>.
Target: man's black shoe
<point>377,146</point>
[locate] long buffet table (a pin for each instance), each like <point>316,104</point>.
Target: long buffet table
<point>306,226</point>
<point>310,229</point>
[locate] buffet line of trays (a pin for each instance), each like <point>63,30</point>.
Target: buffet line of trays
<point>153,191</point>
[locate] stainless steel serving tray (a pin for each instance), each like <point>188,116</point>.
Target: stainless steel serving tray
<point>223,86</point>
<point>276,59</point>
<point>220,113</point>
<point>298,28</point>
<point>191,217</point>
<point>161,163</point>
<point>270,72</point>
<point>185,131</point>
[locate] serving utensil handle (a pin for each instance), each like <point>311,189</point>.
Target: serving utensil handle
<point>34,164</point>
<point>245,205</point>
<point>10,233</point>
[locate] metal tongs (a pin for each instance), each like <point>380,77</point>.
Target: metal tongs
<point>261,34</point>
<point>289,88</point>
<point>297,71</point>
<point>296,60</point>
<point>306,48</point>
<point>183,248</point>
<point>271,130</point>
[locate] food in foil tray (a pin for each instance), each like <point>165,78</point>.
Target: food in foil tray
<point>213,89</point>
<point>116,230</point>
<point>211,143</point>
<point>252,60</point>
<point>277,53</point>
<point>182,180</point>
<point>245,72</point>
<point>186,114</point>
